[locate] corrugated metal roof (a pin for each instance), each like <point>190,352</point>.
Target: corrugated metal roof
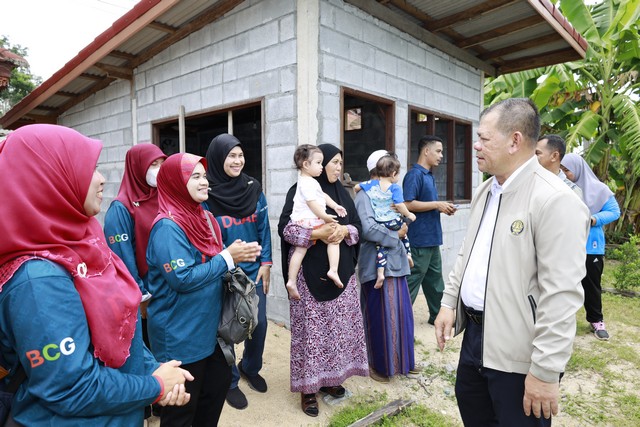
<point>496,36</point>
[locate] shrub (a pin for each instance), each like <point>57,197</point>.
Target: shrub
<point>627,275</point>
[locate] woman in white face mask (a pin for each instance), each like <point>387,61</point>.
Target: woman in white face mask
<point>128,221</point>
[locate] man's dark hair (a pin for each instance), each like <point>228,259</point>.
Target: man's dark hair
<point>428,140</point>
<point>555,143</point>
<point>387,165</point>
<point>517,114</point>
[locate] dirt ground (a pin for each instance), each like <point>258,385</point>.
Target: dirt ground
<point>433,388</point>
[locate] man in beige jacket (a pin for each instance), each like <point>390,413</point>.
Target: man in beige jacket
<point>515,286</point>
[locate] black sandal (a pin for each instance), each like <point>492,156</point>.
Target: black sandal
<point>309,404</point>
<point>336,391</point>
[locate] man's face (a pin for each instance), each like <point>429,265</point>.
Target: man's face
<point>492,147</point>
<point>546,157</point>
<point>433,153</point>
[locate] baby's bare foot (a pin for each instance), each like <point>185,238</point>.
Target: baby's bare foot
<point>292,289</point>
<point>333,275</point>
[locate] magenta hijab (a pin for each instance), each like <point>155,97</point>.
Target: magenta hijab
<point>46,171</point>
<point>140,199</point>
<point>177,205</point>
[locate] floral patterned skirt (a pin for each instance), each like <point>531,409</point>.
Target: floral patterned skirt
<point>327,339</point>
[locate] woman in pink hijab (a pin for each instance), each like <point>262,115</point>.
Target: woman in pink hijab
<point>69,306</point>
<point>128,221</point>
<point>187,261</point>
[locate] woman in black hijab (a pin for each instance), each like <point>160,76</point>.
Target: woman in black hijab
<point>240,207</point>
<point>327,335</point>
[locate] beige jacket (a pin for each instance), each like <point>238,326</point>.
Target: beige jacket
<point>534,278</point>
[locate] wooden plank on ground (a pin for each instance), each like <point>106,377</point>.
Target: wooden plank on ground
<point>388,410</point>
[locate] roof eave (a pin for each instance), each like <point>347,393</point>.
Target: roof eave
<point>140,15</point>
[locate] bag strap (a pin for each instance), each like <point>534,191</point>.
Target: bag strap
<point>228,351</point>
<point>18,378</point>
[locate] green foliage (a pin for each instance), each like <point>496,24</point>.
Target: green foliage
<point>593,103</point>
<point>627,275</point>
<point>22,82</point>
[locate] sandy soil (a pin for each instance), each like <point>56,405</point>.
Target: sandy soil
<point>433,388</point>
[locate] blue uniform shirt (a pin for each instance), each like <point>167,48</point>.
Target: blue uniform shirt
<point>254,228</point>
<point>119,231</point>
<point>426,231</point>
<point>185,309</point>
<point>43,327</point>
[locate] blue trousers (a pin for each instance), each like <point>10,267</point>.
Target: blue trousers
<point>486,397</point>
<point>254,347</point>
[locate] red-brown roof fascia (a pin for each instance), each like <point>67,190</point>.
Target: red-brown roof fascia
<point>553,15</point>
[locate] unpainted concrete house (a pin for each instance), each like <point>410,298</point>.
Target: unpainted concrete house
<point>360,74</point>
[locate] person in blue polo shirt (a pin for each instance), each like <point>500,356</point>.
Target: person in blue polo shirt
<point>425,233</point>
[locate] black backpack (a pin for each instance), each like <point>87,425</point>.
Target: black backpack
<point>239,315</point>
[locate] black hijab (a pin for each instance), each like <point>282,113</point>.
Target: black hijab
<point>236,197</point>
<point>316,262</point>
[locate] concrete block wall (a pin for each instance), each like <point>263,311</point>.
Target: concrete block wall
<point>247,55</point>
<point>106,116</point>
<point>360,52</point>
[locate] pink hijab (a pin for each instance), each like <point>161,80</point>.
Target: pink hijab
<point>140,199</point>
<point>45,171</point>
<point>177,204</point>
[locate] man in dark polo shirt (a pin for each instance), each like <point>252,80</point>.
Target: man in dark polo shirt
<point>425,234</point>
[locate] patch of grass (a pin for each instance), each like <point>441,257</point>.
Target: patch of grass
<point>416,342</point>
<point>611,367</point>
<point>587,360</point>
<point>417,415</point>
<point>432,370</point>
<point>621,309</point>
<point>610,266</point>
<point>414,415</point>
<point>630,407</point>
<point>358,408</point>
<point>585,408</point>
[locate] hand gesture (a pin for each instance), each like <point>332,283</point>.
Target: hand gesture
<point>173,379</point>
<point>341,211</point>
<point>242,251</point>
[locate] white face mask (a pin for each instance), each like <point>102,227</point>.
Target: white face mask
<point>152,176</point>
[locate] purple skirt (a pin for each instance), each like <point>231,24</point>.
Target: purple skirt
<point>388,319</point>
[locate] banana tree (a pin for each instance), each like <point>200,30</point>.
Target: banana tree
<point>594,103</point>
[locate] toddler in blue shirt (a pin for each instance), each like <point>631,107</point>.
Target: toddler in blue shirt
<point>387,202</point>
